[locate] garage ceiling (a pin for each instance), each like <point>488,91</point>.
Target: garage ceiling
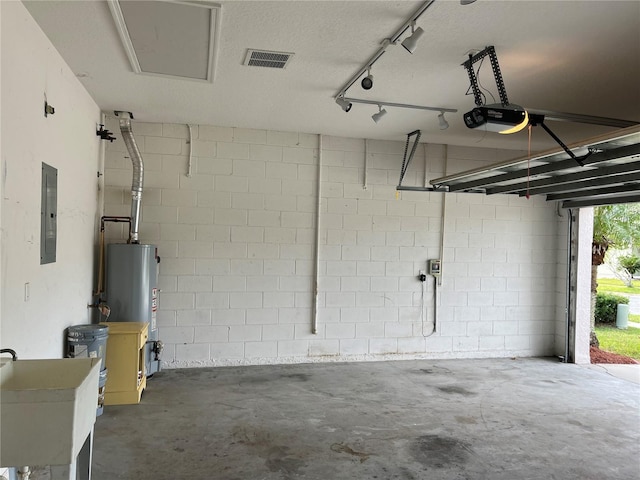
<point>580,57</point>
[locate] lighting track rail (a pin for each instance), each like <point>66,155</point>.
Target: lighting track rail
<point>385,43</point>
<point>400,105</point>
<point>345,103</point>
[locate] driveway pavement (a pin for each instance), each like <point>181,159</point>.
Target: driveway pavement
<point>634,304</point>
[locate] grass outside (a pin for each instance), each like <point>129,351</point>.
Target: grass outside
<point>623,342</point>
<point>613,285</point>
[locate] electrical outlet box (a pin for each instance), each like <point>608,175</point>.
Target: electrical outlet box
<point>434,267</point>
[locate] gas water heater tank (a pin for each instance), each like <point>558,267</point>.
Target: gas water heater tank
<point>132,290</point>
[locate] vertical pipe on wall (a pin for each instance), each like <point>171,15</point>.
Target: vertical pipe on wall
<point>100,211</point>
<point>444,205</point>
<point>426,177</point>
<point>366,164</point>
<point>316,279</point>
<point>138,173</point>
<point>190,150</point>
<point>101,162</point>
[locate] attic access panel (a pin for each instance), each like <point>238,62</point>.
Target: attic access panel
<point>175,38</point>
<point>610,175</point>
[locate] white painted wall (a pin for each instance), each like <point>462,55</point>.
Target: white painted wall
<point>237,243</point>
<point>582,311</point>
<point>59,292</point>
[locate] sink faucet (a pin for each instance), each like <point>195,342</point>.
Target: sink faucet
<point>12,352</point>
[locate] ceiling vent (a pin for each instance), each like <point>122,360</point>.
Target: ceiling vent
<point>177,38</point>
<point>264,58</point>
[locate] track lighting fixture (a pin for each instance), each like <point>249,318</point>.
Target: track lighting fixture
<point>411,42</point>
<point>381,113</point>
<point>367,82</point>
<point>442,121</point>
<point>344,104</point>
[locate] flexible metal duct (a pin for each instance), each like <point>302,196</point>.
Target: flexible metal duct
<point>138,173</point>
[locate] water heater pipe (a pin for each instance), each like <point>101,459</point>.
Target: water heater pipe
<point>100,289</point>
<point>138,173</point>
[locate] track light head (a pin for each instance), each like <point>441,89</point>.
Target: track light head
<point>443,121</point>
<point>377,116</point>
<point>345,105</point>
<point>367,82</point>
<point>411,42</point>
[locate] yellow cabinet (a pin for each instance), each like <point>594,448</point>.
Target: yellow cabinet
<point>126,376</point>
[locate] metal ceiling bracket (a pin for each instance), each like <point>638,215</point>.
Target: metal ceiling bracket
<point>473,80</point>
<point>407,160</point>
<point>539,120</point>
<point>497,75</point>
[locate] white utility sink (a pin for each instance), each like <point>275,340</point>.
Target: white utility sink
<point>47,409</point>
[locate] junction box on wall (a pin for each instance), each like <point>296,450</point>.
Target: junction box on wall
<point>434,268</point>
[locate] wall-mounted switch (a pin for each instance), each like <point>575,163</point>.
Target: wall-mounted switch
<point>27,291</point>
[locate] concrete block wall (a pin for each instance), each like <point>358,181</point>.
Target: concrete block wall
<point>237,241</point>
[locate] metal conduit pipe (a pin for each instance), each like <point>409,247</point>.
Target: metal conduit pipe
<point>438,280</point>
<point>190,150</point>
<point>366,164</point>
<point>444,209</point>
<point>316,280</point>
<point>138,173</point>
<point>426,174</point>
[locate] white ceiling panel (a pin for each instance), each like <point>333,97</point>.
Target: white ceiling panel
<point>176,39</point>
<point>580,57</point>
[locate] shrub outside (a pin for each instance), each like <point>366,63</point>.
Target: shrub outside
<point>607,307</point>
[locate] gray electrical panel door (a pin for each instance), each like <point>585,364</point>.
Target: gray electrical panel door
<point>48,214</point>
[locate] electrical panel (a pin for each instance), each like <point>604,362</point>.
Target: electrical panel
<point>48,214</point>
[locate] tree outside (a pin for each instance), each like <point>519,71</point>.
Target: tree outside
<point>613,226</point>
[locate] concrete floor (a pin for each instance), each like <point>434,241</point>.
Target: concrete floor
<point>446,419</point>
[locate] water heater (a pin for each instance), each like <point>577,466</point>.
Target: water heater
<point>132,292</point>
